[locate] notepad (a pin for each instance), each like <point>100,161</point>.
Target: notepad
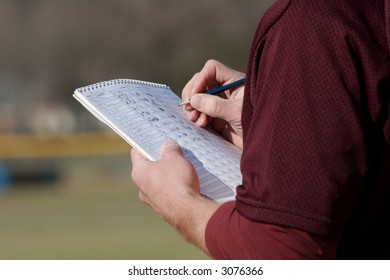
<point>147,114</point>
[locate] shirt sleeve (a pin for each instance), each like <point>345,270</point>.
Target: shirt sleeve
<point>230,235</point>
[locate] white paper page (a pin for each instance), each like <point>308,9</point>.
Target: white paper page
<point>147,114</point>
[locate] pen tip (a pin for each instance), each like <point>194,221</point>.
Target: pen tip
<point>184,102</point>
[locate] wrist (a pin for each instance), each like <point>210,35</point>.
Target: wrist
<point>191,218</point>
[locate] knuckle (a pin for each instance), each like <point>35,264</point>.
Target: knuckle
<point>210,62</point>
<point>213,65</point>
<point>142,197</point>
<point>202,121</point>
<point>195,76</point>
<point>214,107</point>
<point>136,176</point>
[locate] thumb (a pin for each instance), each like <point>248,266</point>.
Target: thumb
<point>171,148</point>
<point>211,105</point>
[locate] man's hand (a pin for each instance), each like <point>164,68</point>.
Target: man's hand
<point>223,114</point>
<point>171,187</point>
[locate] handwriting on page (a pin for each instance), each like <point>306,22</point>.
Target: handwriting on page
<point>150,116</point>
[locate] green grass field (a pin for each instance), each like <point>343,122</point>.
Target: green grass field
<point>91,212</point>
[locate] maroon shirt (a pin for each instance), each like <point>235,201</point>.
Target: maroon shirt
<point>316,158</point>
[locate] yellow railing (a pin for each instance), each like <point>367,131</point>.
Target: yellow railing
<point>17,146</point>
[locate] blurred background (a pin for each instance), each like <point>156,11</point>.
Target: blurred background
<point>65,186</point>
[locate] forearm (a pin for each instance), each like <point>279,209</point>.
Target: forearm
<point>190,218</point>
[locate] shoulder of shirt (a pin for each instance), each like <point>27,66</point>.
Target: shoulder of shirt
<point>294,11</point>
<point>272,15</point>
<point>320,15</point>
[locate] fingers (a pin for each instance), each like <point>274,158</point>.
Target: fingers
<point>139,165</point>
<point>137,157</point>
<point>212,75</point>
<point>187,92</point>
<point>212,106</point>
<point>170,148</point>
<point>188,88</point>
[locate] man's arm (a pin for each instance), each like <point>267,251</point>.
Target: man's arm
<point>171,187</point>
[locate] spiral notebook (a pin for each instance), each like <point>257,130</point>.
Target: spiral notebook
<point>147,114</point>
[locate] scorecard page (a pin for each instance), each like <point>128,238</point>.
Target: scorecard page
<point>147,114</point>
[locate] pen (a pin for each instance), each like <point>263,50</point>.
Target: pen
<point>218,90</point>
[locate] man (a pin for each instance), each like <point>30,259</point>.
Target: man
<point>313,121</point>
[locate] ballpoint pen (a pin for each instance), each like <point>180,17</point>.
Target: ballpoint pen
<point>218,90</point>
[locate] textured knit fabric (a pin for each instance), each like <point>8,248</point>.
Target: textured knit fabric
<point>316,127</point>
<point>241,238</point>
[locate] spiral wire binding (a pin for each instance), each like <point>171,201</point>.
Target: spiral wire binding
<point>120,82</point>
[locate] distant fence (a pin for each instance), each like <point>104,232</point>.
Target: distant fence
<point>16,146</point>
